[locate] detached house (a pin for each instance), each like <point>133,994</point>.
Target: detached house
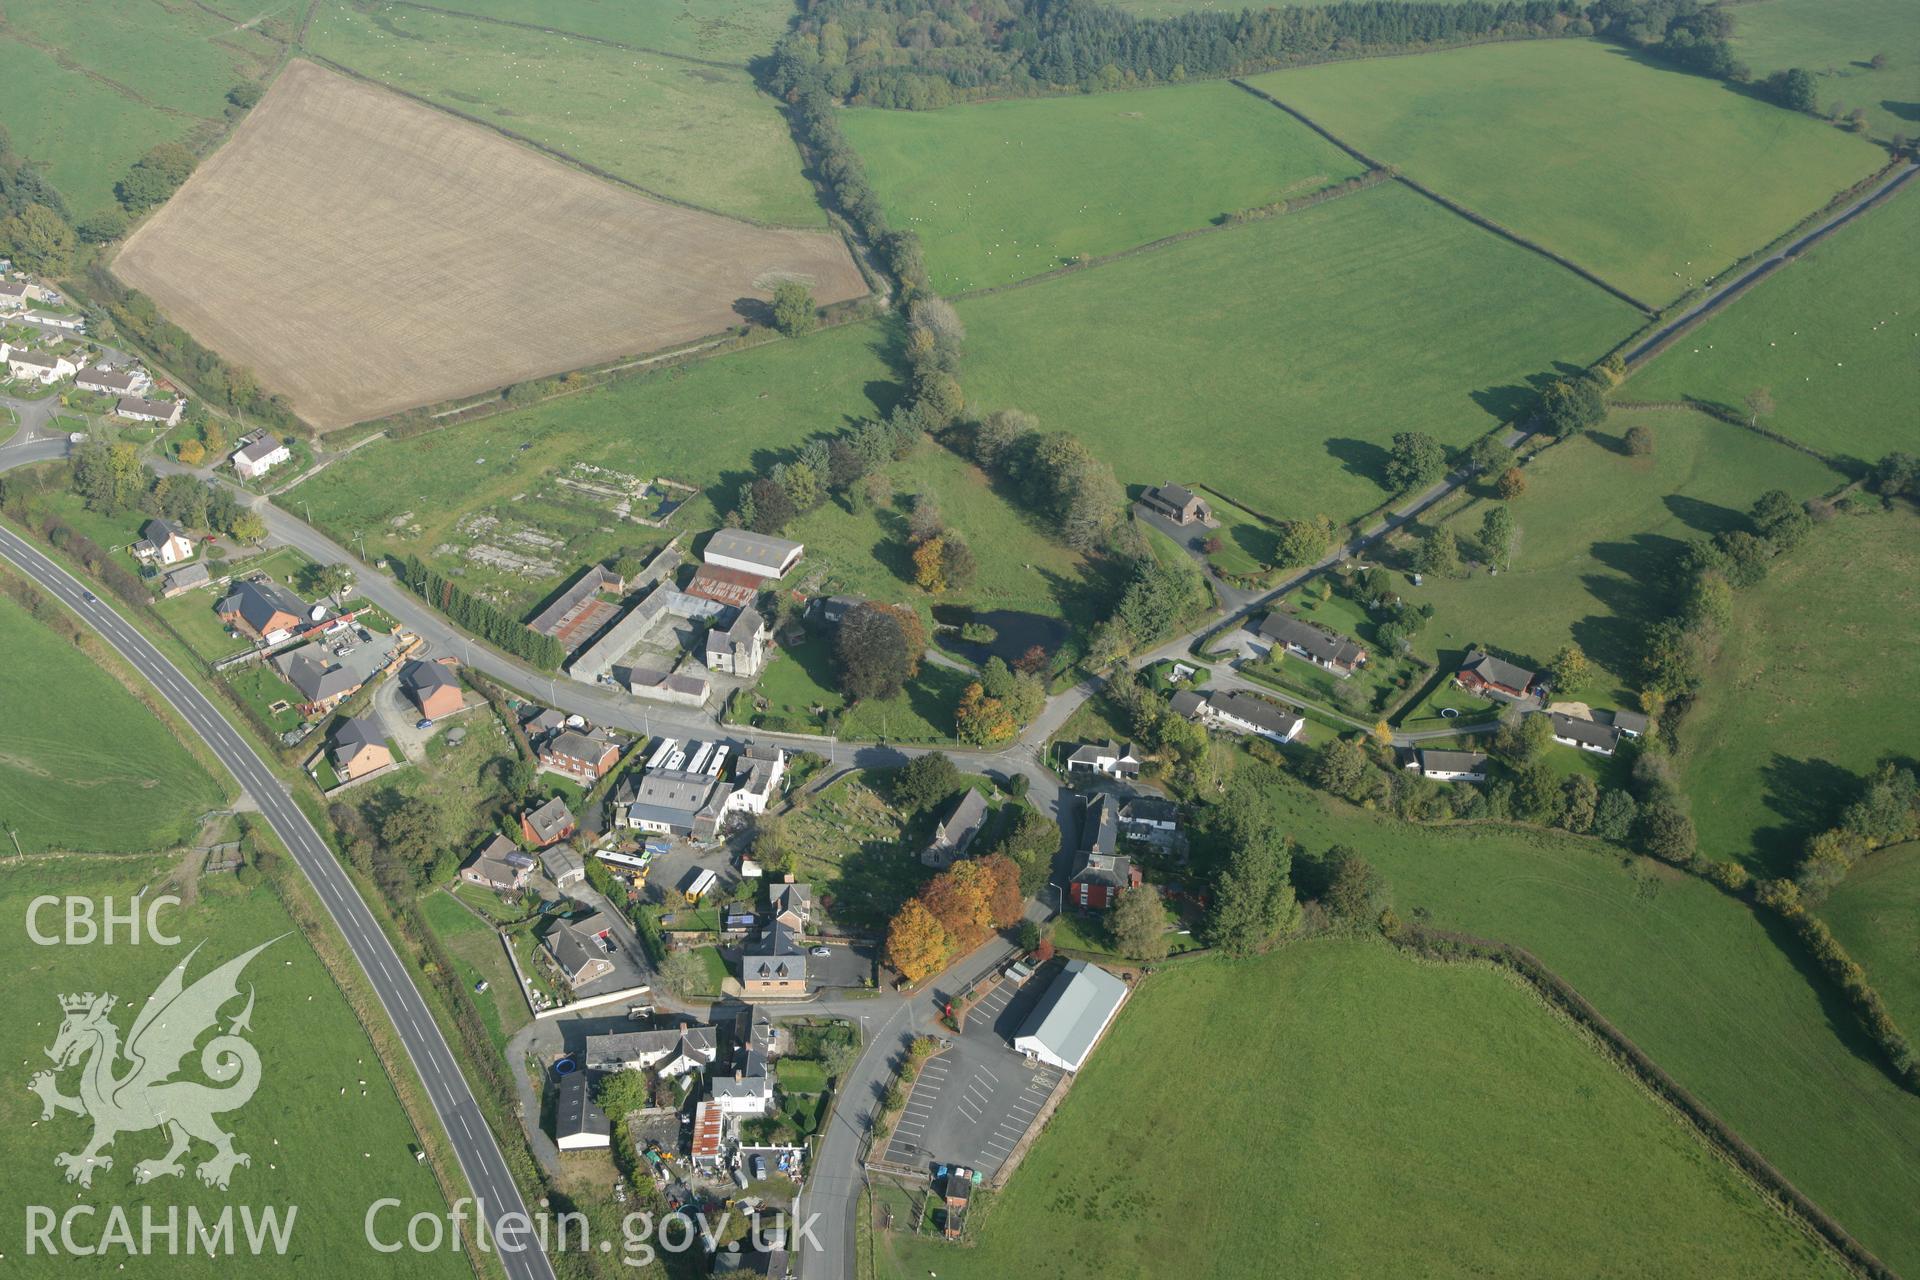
<point>113,382</point>
<point>1149,817</point>
<point>775,963</point>
<point>358,748</point>
<point>576,949</point>
<point>1450,766</point>
<point>583,756</point>
<point>1178,504</point>
<point>499,865</point>
<point>264,610</point>
<point>163,542</point>
<point>259,456</point>
<point>549,824</point>
<point>1239,712</point>
<point>1492,677</point>
<point>741,647</point>
<point>1588,735</point>
<point>668,1054</point>
<point>965,814</point>
<point>137,409</point>
<point>1100,871</point>
<point>433,688</point>
<point>1108,759</point>
<point>323,685</point>
<point>1317,645</point>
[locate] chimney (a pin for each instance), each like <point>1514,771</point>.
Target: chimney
<point>737,1077</point>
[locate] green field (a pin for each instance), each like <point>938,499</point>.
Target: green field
<point>1481,1134</point>
<point>999,191</point>
<point>716,424</point>
<point>718,30</point>
<point>1656,180</point>
<point>1876,917</point>
<point>691,132</point>
<point>1275,361</point>
<point>476,950</point>
<point>1834,338</point>
<point>1699,981</point>
<point>86,89</point>
<point>1837,41</point>
<point>1597,531</point>
<point>1812,686</point>
<point>84,765</point>
<point>324,1131</point>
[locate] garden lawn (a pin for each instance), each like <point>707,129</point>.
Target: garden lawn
<point>84,764</point>
<point>1837,41</point>
<point>324,1131</point>
<point>1529,1144</point>
<point>1715,993</point>
<point>802,678</point>
<point>702,135</point>
<point>1813,684</point>
<point>1275,361</point>
<point>478,955</point>
<point>1654,179</point>
<point>716,30</point>
<point>1000,191</point>
<point>1876,916</point>
<point>1597,532</point>
<point>1834,339</point>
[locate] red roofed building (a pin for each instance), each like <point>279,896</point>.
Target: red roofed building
<point>715,582</point>
<point>708,1136</point>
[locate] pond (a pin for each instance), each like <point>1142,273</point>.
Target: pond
<point>1015,632</point>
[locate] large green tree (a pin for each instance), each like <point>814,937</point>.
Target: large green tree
<point>1415,461</point>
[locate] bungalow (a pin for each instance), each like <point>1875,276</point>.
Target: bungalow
<point>1631,724</point>
<point>741,647</point>
<point>113,382</point>
<point>1450,766</point>
<point>433,688</point>
<point>163,541</point>
<point>262,609</point>
<point>1108,759</point>
<point>957,827</point>
<point>138,409</point>
<point>584,756</point>
<point>756,553</point>
<point>43,367</point>
<point>1317,645</point>
<point>1100,872</point>
<point>1149,815</point>
<point>1492,677</point>
<point>498,864</point>
<point>1178,504</point>
<point>669,1053</point>
<point>577,950</point>
<point>1071,1017</point>
<point>578,1122</point>
<point>56,320</point>
<point>15,294</point>
<point>185,579</point>
<point>1239,712</point>
<point>258,456</point>
<point>549,824</point>
<point>1588,735</point>
<point>359,747</point>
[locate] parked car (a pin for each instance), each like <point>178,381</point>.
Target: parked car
<point>759,1168</point>
<point>423,724</point>
<point>823,951</point>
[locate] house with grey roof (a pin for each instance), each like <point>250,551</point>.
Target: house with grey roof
<point>358,747</point>
<point>1315,644</point>
<point>1101,873</point>
<point>1071,1017</point>
<point>186,578</point>
<point>262,609</point>
<point>164,542</point>
<point>577,950</point>
<point>1631,724</point>
<point>1241,712</point>
<point>1148,814</point>
<point>323,683</point>
<point>672,802</point>
<point>668,1053</point>
<point>549,824</point>
<point>578,1122</point>
<point>498,864</point>
<point>1109,759</point>
<point>959,823</point>
<point>1588,735</point>
<point>1450,766</point>
<point>775,962</point>
<point>1179,504</point>
<point>739,648</point>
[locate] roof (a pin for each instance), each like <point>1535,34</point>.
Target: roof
<point>257,602</point>
<point>99,375</point>
<point>1148,809</point>
<point>575,1114</point>
<point>259,449</point>
<point>1452,761</point>
<point>1317,642</point>
<point>718,583</point>
<point>669,795</point>
<point>1100,826</point>
<point>1074,1011</point>
<point>708,1125</point>
<point>158,531</point>
<point>317,680</point>
<point>356,732</point>
<point>629,1046</point>
<point>787,894</point>
<point>500,857</point>
<point>592,580</point>
<point>575,744</point>
<point>561,861</point>
<point>569,943</point>
<point>192,575</point>
<point>1186,703</point>
<point>1497,671</point>
<point>777,955</point>
<point>1255,711</point>
<point>550,819</point>
<point>1630,722</point>
<point>1585,732</point>
<point>1092,752</point>
<point>424,677</point>
<point>38,359</point>
<point>962,821</point>
<point>743,630</point>
<point>754,548</point>
<point>147,408</point>
<point>1174,495</point>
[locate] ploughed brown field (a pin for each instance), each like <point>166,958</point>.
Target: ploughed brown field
<point>363,254</point>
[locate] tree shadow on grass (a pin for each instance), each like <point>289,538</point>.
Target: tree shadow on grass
<point>1360,458</point>
<point>1807,796</point>
<point>1704,517</point>
<point>1842,1022</point>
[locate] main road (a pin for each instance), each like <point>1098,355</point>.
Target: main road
<point>473,1142</point>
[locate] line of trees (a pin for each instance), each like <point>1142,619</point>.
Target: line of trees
<point>470,613</point>
<point>952,914</point>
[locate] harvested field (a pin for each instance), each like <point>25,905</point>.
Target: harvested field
<point>363,254</point>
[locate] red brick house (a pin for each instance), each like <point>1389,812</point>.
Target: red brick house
<point>1100,872</point>
<point>1488,676</point>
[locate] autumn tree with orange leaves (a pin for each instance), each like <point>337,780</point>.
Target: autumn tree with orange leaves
<point>918,946</point>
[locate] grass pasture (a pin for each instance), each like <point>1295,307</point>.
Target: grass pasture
<point>1837,41</point>
<point>477,952</point>
<point>1520,1126</point>
<point>432,258</point>
<point>324,1131</point>
<point>1876,917</point>
<point>1834,339</point>
<point>685,130</point>
<point>1811,687</point>
<point>1275,361</point>
<point>999,191</point>
<point>84,765</point>
<point>717,30</point>
<point>1654,179</point>
<point>1706,986</point>
<point>1596,532</point>
<point>87,89</point>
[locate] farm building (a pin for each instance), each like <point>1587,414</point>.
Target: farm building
<point>1072,1016</point>
<point>258,456</point>
<point>1109,759</point>
<point>498,864</point>
<point>759,554</point>
<point>358,748</point>
<point>578,613</point>
<point>1317,645</point>
<point>1492,677</point>
<point>709,1138</point>
<point>956,829</point>
<point>734,588</point>
<point>1177,503</point>
<point>578,1123</point>
<point>1100,871</point>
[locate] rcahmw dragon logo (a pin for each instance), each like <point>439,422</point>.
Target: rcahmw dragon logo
<point>131,1089</point>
